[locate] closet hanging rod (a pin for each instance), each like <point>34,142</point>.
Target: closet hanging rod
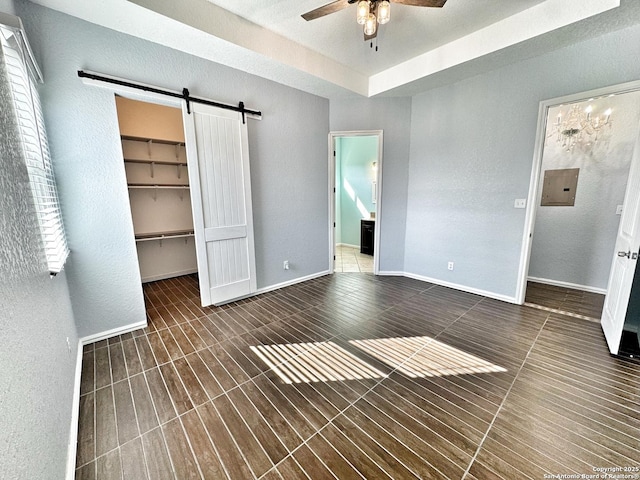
<point>184,95</point>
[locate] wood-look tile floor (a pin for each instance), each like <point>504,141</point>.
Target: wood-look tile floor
<point>578,303</point>
<point>187,397</point>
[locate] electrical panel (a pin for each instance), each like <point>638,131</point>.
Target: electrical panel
<point>559,187</point>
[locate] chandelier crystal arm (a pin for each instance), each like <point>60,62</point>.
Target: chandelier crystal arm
<point>578,125</point>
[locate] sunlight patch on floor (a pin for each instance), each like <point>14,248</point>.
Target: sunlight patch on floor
<point>424,357</point>
<point>314,362</point>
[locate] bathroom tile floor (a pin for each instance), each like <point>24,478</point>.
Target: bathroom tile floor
<point>349,259</point>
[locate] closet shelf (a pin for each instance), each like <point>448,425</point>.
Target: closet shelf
<point>154,140</point>
<point>157,162</point>
<point>146,237</point>
<point>162,187</point>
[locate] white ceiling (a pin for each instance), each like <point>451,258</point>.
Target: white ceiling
<point>418,49</point>
<point>412,30</point>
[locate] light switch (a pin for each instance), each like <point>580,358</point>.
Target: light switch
<point>520,203</point>
<point>619,210</point>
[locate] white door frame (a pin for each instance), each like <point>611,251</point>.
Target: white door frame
<point>536,171</point>
<point>332,194</point>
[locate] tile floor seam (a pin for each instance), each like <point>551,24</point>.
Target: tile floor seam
<point>558,461</point>
<point>504,399</point>
<point>155,412</point>
<point>598,432</point>
<point>213,445</point>
<point>555,433</point>
<point>347,460</point>
<point>561,312</point>
<point>480,432</point>
<point>191,449</point>
<point>401,442</point>
<point>420,423</point>
<point>330,421</point>
<point>235,442</point>
<point>558,386</point>
<point>242,419</point>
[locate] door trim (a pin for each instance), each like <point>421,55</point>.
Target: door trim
<point>332,199</point>
<point>536,172</point>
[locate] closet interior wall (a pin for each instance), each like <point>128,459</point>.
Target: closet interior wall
<point>155,161</point>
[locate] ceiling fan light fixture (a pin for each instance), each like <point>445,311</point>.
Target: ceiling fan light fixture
<point>384,12</point>
<point>364,6</point>
<point>370,25</point>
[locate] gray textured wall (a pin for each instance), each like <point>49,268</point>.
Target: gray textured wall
<point>393,116</point>
<point>37,369</point>
<point>288,151</point>
<point>471,154</point>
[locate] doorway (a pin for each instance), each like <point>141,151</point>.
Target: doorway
<point>572,229</point>
<point>154,155</point>
<point>206,163</point>
<point>355,174</point>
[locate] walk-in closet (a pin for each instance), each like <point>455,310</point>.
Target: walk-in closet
<point>153,147</point>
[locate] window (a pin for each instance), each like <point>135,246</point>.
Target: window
<point>22,73</point>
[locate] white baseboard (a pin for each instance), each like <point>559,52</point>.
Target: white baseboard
<point>291,282</point>
<point>463,288</point>
<point>277,286</point>
<point>391,273</point>
<point>75,414</point>
<point>164,276</point>
<point>575,286</point>
<point>347,245</point>
<point>96,337</point>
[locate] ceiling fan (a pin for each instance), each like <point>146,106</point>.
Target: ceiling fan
<point>370,13</point>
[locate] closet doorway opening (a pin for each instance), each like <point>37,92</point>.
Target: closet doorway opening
<point>355,196</point>
<point>190,193</point>
<point>154,155</point>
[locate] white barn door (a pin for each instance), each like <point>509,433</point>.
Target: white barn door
<point>218,164</point>
<point>625,259</point>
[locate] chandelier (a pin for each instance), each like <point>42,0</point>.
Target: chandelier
<point>370,13</point>
<point>578,125</point>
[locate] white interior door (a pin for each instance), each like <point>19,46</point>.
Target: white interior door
<point>218,164</point>
<point>625,258</point>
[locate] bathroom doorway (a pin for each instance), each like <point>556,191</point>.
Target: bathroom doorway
<point>355,166</point>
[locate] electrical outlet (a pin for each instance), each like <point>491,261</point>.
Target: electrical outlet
<point>619,210</point>
<point>520,203</point>
<point>450,266</point>
<point>285,264</point>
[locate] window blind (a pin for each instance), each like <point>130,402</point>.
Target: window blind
<point>22,73</point>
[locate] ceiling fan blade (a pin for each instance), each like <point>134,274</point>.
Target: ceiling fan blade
<point>422,3</point>
<point>326,10</point>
